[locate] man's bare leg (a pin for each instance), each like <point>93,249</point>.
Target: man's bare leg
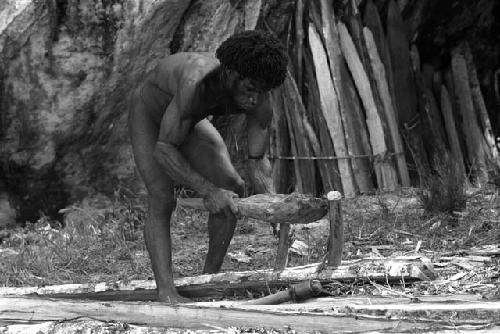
<point>159,245</point>
<point>220,232</point>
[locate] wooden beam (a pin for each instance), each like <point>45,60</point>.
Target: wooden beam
<point>336,236</point>
<point>274,208</point>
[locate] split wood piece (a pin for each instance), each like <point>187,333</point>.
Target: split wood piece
<point>273,208</point>
<point>470,127</point>
<point>469,308</point>
<point>414,18</point>
<point>31,310</point>
<point>377,270</point>
<point>283,247</point>
<point>451,130</point>
<point>399,50</point>
<point>323,165</point>
<point>433,112</point>
<point>329,171</point>
<point>280,143</point>
<point>480,106</point>
<point>384,170</point>
<point>298,291</point>
<point>431,136</point>
<point>294,112</point>
<point>390,114</point>
<point>330,110</point>
<point>252,12</point>
<point>336,237</point>
<point>350,119</point>
<point>299,41</point>
<point>372,21</point>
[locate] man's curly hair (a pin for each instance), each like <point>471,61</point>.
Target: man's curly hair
<point>256,55</point>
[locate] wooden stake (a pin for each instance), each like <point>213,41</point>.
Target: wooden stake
<point>350,119</point>
<point>451,129</point>
<point>470,126</point>
<point>390,115</point>
<point>283,248</point>
<point>384,170</point>
<point>331,111</point>
<point>336,238</point>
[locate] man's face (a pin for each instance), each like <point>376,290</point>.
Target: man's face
<point>247,93</point>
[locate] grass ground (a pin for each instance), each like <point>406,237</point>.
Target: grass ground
<point>102,239</point>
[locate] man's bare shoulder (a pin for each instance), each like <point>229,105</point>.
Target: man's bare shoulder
<point>189,64</point>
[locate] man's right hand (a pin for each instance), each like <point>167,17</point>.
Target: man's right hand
<point>221,200</point>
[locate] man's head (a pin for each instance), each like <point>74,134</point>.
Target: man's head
<point>258,62</point>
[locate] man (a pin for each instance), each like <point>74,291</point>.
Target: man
<point>173,142</point>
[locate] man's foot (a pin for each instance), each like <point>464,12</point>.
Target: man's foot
<point>172,298</point>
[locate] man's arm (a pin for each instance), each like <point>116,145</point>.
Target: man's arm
<point>173,131</point>
<point>259,167</point>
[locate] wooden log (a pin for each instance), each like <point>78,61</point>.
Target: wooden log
<point>451,129</point>
<point>298,291</point>
<point>31,310</point>
<point>480,106</point>
<point>350,119</point>
<point>294,111</point>
<point>384,170</point>
<point>274,208</point>
<point>330,110</point>
<point>336,236</point>
<point>390,115</point>
<point>470,127</point>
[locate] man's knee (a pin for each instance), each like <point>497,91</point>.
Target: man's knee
<point>161,201</point>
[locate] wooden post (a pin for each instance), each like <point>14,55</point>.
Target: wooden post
<point>336,238</point>
<point>283,248</point>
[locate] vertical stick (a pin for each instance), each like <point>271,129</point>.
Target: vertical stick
<point>283,247</point>
<point>336,238</point>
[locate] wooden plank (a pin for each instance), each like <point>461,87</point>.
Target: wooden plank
<point>329,172</point>
<point>299,41</point>
<point>470,126</point>
<point>372,21</point>
<point>384,170</point>
<point>350,119</point>
<point>451,129</point>
<point>280,144</point>
<point>274,208</point>
<point>304,169</point>
<point>24,310</point>
<point>399,46</point>
<point>390,115</point>
<point>252,12</point>
<point>330,110</point>
<point>480,106</point>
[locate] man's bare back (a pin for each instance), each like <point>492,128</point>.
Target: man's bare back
<point>173,142</point>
